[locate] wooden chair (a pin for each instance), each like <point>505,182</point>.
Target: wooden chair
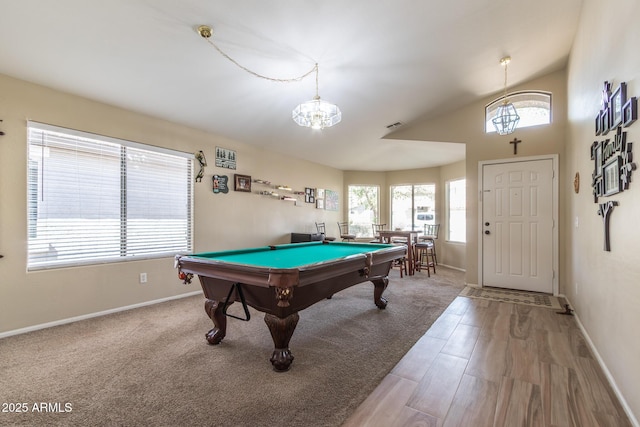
<point>344,232</point>
<point>376,232</point>
<point>430,236</point>
<point>320,226</point>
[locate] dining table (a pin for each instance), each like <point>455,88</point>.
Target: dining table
<point>411,237</point>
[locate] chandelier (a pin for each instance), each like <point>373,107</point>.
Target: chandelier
<point>316,114</point>
<point>507,117</point>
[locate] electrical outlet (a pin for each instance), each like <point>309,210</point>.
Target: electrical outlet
<point>143,277</point>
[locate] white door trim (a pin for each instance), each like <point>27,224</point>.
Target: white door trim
<point>555,210</point>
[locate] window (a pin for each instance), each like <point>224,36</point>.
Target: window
<point>456,210</point>
<point>363,209</point>
<point>534,108</point>
<point>94,199</point>
<point>412,206</point>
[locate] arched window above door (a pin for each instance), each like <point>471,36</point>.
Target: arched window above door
<point>533,107</point>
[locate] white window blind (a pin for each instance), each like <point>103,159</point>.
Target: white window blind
<point>94,199</point>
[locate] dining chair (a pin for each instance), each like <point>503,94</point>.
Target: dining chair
<point>376,232</point>
<point>344,232</point>
<point>322,229</point>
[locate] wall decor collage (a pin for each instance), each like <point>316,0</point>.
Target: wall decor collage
<point>227,159</point>
<point>612,157</point>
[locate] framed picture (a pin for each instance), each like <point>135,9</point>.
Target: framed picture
<point>605,121</point>
<point>220,184</point>
<point>618,99</point>
<point>599,123</point>
<point>242,183</point>
<point>596,155</point>
<point>611,172</point>
<point>331,199</point>
<point>309,195</point>
<point>630,111</point>
<point>320,193</point>
<point>225,158</point>
<point>319,204</point>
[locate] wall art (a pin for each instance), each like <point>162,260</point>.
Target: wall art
<point>242,183</point>
<point>612,157</point>
<point>331,200</point>
<point>220,184</point>
<point>225,158</point>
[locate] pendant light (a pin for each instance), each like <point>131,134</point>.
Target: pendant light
<point>507,118</point>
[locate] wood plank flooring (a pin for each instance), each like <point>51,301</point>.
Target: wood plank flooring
<point>495,364</point>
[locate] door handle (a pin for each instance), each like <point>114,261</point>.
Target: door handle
<point>487,232</point>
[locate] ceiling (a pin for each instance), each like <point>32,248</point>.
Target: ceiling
<point>381,62</point>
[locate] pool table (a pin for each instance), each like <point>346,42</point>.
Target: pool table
<point>282,280</point>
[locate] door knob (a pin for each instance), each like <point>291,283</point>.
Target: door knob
<point>486,224</point>
<point>487,232</point>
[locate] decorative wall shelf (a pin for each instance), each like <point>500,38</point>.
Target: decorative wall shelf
<point>279,191</point>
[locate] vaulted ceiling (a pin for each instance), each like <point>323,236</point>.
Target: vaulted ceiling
<point>381,62</point>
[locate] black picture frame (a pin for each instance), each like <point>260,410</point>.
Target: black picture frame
<point>618,100</point>
<point>598,122</point>
<point>242,183</point>
<point>597,158</point>
<point>309,195</point>
<point>605,121</point>
<point>611,176</point>
<point>630,111</point>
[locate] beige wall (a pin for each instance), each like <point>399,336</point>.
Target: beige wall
<point>604,287</point>
<point>467,126</point>
<point>221,221</point>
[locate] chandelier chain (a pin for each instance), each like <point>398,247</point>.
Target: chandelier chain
<point>505,81</point>
<point>289,80</point>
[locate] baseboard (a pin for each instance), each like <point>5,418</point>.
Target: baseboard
<point>610,379</point>
<point>91,315</point>
<point>452,267</point>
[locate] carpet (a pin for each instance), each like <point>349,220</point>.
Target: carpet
<point>513,296</point>
<point>152,366</point>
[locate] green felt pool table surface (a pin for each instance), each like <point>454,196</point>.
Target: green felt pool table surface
<point>292,255</point>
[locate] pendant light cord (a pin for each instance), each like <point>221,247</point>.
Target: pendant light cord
<point>505,63</point>
<point>206,33</point>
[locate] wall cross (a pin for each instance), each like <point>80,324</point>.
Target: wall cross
<point>515,143</point>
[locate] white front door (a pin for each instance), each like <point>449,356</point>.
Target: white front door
<point>518,225</point>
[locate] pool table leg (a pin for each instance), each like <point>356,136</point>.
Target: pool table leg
<point>214,311</point>
<point>281,332</point>
<point>380,284</point>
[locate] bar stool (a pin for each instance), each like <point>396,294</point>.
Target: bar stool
<point>425,256</point>
<point>401,263</point>
<point>431,235</point>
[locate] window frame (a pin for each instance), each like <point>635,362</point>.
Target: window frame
<point>121,155</point>
<point>354,228</point>
<point>513,98</point>
<point>448,209</point>
<point>414,208</point>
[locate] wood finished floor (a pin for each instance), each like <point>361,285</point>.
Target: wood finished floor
<point>488,363</point>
